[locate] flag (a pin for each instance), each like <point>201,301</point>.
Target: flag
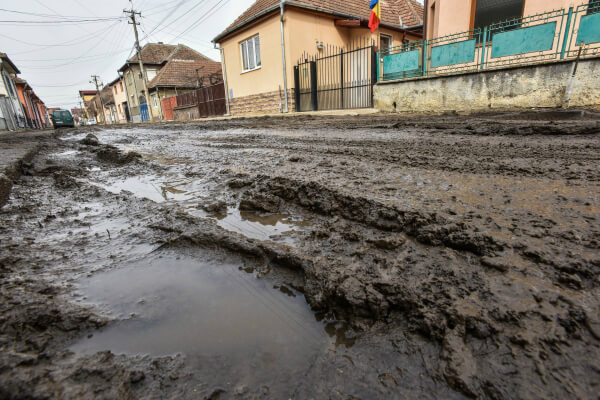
<point>375,18</point>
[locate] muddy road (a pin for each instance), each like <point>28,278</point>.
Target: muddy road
<point>357,257</point>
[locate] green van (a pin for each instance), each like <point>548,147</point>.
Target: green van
<point>62,118</point>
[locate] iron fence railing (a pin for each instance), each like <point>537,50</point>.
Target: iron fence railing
<point>336,77</point>
<point>550,36</point>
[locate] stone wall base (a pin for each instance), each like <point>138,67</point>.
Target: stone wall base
<point>262,103</point>
<point>534,86</point>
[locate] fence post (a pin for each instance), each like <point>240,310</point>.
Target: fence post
<point>483,47</point>
<point>425,58</point>
<point>297,88</point>
<point>342,76</point>
<point>374,71</point>
<point>313,85</point>
<point>566,34</point>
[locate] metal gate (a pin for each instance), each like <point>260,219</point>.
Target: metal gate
<point>338,78</point>
<point>144,112</point>
<point>211,100</point>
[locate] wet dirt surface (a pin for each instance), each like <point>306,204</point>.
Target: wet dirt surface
<point>311,257</point>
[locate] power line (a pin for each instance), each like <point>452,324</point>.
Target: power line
<point>58,22</point>
<point>203,17</point>
<point>50,15</point>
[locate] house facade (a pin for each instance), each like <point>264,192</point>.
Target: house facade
<point>446,17</point>
<point>87,96</point>
<point>163,62</point>
<point>35,111</point>
<point>120,100</point>
<point>12,115</point>
<point>259,49</point>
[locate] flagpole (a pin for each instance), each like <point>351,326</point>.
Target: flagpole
<point>379,42</point>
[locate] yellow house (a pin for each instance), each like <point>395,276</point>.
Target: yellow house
<point>121,109</point>
<point>446,17</point>
<point>260,48</point>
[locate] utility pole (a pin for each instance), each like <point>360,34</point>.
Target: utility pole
<point>95,82</point>
<point>132,13</point>
<point>82,111</point>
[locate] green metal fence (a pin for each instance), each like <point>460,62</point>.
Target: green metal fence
<point>546,37</point>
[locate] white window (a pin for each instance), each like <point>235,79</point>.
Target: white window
<point>250,49</point>
<point>155,100</point>
<point>133,100</point>
<point>386,42</point>
<point>150,73</point>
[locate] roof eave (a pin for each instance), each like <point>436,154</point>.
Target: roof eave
<point>306,7</point>
<point>12,65</point>
<point>246,22</point>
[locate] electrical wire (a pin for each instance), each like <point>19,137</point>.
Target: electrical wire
<point>50,15</point>
<point>204,17</point>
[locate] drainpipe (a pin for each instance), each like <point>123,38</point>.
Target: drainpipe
<point>224,73</point>
<point>285,108</point>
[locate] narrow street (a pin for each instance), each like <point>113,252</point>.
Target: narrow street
<point>342,257</point>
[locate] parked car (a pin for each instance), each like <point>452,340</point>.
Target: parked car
<point>62,118</point>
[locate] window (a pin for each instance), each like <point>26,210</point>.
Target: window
<point>115,90</point>
<point>8,85</point>
<point>121,86</point>
<point>386,41</point>
<point>488,12</point>
<point>155,100</point>
<point>250,49</point>
<point>593,7</point>
<point>150,74</point>
<point>129,77</point>
<point>120,111</point>
<point>133,99</point>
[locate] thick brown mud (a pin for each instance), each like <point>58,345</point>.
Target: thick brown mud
<point>309,257</point>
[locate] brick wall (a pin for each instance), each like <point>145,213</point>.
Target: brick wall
<point>263,103</point>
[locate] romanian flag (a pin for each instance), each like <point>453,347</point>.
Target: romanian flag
<point>375,15</point>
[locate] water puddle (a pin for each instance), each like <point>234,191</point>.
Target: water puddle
<point>261,226</point>
<point>155,189</point>
<point>226,321</point>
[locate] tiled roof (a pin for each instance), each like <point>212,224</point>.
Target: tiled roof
<point>107,95</point>
<point>398,13</point>
<point>154,53</point>
<point>180,70</point>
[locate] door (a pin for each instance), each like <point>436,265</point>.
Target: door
<point>127,116</point>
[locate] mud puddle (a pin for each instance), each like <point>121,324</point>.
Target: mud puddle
<point>255,225</point>
<point>225,320</point>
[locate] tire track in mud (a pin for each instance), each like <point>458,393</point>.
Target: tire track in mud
<point>493,320</point>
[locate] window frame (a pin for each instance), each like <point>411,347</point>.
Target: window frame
<point>257,56</point>
<point>391,40</point>
<point>474,12</point>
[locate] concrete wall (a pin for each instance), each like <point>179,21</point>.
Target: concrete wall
<point>508,89</point>
<point>446,17</point>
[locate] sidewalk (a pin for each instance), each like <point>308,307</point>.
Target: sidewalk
<point>15,148</point>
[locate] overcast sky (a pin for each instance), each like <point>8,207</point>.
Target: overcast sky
<point>58,59</point>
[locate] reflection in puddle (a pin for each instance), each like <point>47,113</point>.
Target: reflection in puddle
<point>154,189</point>
<point>223,320</point>
<point>258,226</point>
